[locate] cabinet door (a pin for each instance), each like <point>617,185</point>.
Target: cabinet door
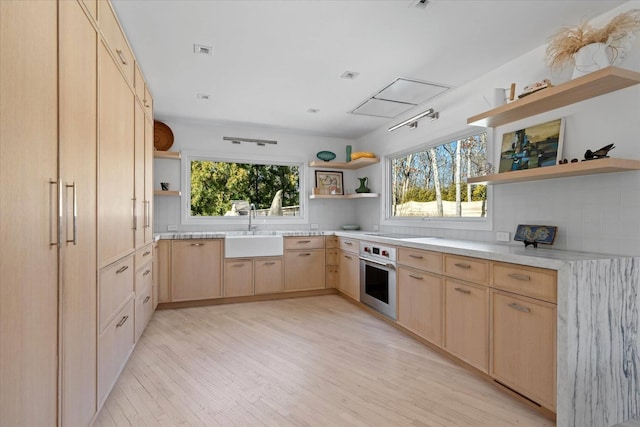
<point>148,180</point>
<point>78,172</point>
<point>349,274</point>
<point>238,277</point>
<point>331,278</point>
<point>196,269</point>
<point>420,303</point>
<point>304,270</point>
<point>466,322</point>
<point>163,263</point>
<point>115,157</point>
<point>28,264</point>
<point>268,275</point>
<point>523,346</point>
<point>139,176</point>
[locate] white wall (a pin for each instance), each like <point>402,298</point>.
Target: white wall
<point>597,213</point>
<point>206,138</point>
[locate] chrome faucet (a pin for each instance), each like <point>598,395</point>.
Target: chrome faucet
<point>252,208</point>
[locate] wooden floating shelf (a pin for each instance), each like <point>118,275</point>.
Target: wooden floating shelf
<point>166,193</point>
<point>590,167</point>
<point>167,155</point>
<point>352,165</point>
<point>346,196</point>
<point>594,84</point>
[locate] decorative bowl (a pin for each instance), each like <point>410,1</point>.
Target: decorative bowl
<point>351,227</point>
<point>326,155</point>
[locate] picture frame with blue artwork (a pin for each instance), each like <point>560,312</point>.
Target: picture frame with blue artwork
<point>532,147</point>
<point>534,234</point>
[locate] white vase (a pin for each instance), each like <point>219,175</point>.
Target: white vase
<point>591,57</point>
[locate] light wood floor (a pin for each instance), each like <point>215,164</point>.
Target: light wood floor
<point>318,361</point>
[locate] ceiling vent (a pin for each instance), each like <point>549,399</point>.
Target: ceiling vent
<point>202,50</point>
<point>349,75</point>
<point>399,96</point>
<point>204,96</point>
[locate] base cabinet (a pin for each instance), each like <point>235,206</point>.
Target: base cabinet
<point>420,302</point>
<point>238,277</point>
<point>349,274</point>
<point>196,269</point>
<point>523,346</point>
<point>267,275</point>
<point>466,319</point>
<point>304,263</point>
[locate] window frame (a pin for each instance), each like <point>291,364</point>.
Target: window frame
<point>185,206</point>
<point>480,224</point>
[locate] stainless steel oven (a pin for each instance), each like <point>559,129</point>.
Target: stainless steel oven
<point>378,277</point>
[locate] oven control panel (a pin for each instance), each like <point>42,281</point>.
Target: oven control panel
<point>375,251</point>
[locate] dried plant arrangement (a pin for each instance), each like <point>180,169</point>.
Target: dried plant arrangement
<point>617,34</point>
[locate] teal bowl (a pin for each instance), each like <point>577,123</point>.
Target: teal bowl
<point>326,155</point>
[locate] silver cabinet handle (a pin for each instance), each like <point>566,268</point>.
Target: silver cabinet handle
<point>197,244</point>
<point>146,253</point>
<point>269,263</point>
<point>122,321</point>
<point>305,254</point>
<point>464,291</point>
<point>74,240</point>
<point>519,276</point>
<point>416,277</point>
<point>348,243</point>
<point>348,257</point>
<point>122,57</point>
<point>146,273</point>
<point>461,265</point>
<point>135,217</point>
<point>122,269</point>
<point>147,209</point>
<point>58,226</point>
<point>519,307</point>
<point>304,241</point>
<point>146,300</point>
<point>238,265</point>
<point>415,256</point>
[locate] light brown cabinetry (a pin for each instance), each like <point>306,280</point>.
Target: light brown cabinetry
<point>116,40</point>
<point>331,260</point>
<point>156,276</point>
<point>163,262</point>
<point>144,305</point>
<point>523,330</point>
<point>474,270</point>
<point>29,264</point>
<point>196,269</point>
<point>116,162</point>
<point>420,302</point>
<point>115,288</point>
<point>304,263</point>
<point>238,277</point>
<point>466,322</point>
<point>267,275</point>
<point>349,274</point>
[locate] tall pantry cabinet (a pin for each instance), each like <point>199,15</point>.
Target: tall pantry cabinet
<point>67,207</point>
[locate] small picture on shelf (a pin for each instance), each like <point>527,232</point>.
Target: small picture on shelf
<point>534,147</point>
<point>329,182</point>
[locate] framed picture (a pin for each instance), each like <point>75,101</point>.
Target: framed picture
<point>534,147</point>
<point>329,182</point>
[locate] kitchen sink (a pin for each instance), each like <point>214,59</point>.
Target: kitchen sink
<point>252,245</point>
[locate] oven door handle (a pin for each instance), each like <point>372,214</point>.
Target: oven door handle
<point>384,264</point>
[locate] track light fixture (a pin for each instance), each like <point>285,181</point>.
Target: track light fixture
<point>413,121</point>
<point>259,142</point>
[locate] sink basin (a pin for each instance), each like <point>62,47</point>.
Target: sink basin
<point>252,245</point>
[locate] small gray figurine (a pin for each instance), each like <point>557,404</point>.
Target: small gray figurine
<point>598,154</point>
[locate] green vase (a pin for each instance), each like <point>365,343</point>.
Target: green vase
<point>348,153</point>
<point>363,186</point>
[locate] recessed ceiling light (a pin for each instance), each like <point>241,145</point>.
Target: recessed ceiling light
<point>204,96</point>
<point>202,49</point>
<point>313,110</point>
<point>349,75</point>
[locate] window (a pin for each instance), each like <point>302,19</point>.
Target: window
<point>226,189</point>
<point>431,183</point>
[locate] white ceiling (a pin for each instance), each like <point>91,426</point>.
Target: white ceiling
<point>274,60</point>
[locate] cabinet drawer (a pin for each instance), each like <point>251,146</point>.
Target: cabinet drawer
<point>349,245</point>
<point>530,281</point>
<point>115,39</point>
<point>144,277</point>
<point>143,256</point>
<point>466,268</point>
<point>423,260</point>
<point>114,346</point>
<point>332,257</point>
<point>304,270</point>
<point>115,285</point>
<point>267,275</point>
<point>331,242</point>
<point>315,242</point>
<point>143,310</point>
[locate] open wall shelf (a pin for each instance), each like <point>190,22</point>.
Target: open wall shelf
<point>352,165</point>
<point>167,193</point>
<point>594,84</point>
<point>167,155</point>
<point>591,167</point>
<point>346,196</point>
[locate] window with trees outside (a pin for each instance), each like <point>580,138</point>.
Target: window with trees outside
<point>432,182</point>
<point>226,189</point>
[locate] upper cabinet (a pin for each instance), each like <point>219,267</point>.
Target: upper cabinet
<point>597,83</point>
<point>115,39</point>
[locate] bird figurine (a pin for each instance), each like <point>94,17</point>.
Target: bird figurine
<point>598,154</point>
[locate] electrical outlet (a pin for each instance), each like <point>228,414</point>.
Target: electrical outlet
<point>172,228</point>
<point>502,236</point>
<point>314,226</point>
<point>376,227</point>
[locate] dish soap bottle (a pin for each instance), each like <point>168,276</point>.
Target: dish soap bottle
<point>363,186</point>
